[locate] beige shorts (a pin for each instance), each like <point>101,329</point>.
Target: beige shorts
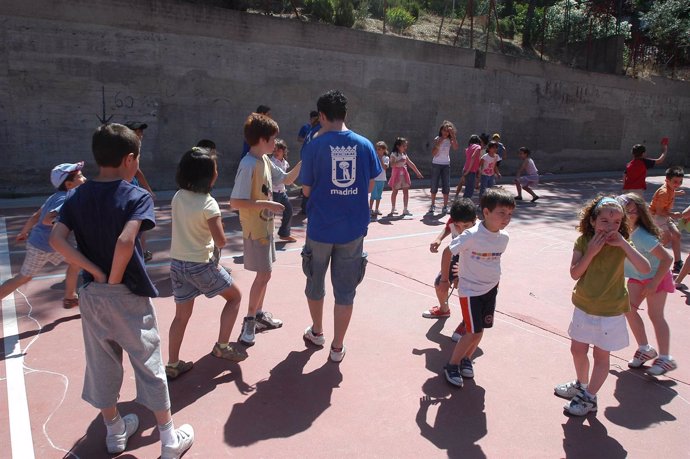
<point>36,259</point>
<point>259,254</point>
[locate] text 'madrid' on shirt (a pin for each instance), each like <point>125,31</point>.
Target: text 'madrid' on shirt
<point>338,166</point>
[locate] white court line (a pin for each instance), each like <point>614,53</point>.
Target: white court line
<point>18,408</point>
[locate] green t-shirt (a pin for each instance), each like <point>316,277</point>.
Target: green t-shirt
<point>601,290</point>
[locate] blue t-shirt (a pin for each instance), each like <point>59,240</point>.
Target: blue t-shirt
<point>97,213</point>
<point>40,233</point>
<point>338,165</point>
<point>644,242</point>
<point>304,131</point>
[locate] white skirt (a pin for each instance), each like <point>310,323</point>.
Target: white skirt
<point>607,333</point>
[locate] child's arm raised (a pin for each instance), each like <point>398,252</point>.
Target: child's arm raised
<point>662,157</point>
<point>580,261</point>
<point>640,263</point>
<point>30,223</point>
<point>58,241</point>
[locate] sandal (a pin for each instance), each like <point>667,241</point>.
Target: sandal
<point>69,303</point>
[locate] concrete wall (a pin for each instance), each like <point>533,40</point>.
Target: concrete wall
<point>194,72</point>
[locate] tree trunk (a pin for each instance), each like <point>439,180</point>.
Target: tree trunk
<point>527,28</point>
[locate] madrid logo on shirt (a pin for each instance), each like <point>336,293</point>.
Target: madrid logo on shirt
<point>343,168</point>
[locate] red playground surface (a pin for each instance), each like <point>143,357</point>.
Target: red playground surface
<point>388,398</point>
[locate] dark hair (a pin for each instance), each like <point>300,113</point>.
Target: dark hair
<point>113,142</point>
<point>525,150</point>
<point>674,171</point>
<point>497,196</point>
<point>638,150</point>
<point>313,114</point>
<point>484,137</point>
<point>474,140</point>
<point>258,127</point>
<point>398,141</point>
<point>463,210</point>
<point>492,144</point>
<point>591,212</point>
<point>333,105</point>
<point>281,145</point>
<point>263,109</point>
<point>205,143</point>
<point>644,216</point>
<point>71,176</point>
<point>196,170</point>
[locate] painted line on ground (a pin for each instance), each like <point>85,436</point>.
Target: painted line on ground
<point>18,408</point>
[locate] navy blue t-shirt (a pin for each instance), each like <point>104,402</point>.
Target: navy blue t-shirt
<point>338,165</point>
<point>97,213</point>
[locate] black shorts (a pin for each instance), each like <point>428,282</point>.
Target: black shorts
<point>478,311</point>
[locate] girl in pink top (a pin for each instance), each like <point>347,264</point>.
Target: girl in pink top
<point>473,153</point>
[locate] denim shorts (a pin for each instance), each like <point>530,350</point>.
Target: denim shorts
<point>377,191</point>
<point>348,265</point>
<point>190,279</point>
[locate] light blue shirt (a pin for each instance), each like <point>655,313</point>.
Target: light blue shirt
<point>644,242</point>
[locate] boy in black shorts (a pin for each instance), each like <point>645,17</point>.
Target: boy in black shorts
<point>480,249</point>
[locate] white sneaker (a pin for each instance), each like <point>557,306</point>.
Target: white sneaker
<point>581,405</point>
<point>185,439</point>
<point>117,443</point>
<point>568,390</point>
<point>406,212</point>
<point>337,356</point>
<point>248,331</point>
<point>661,366</point>
<point>641,357</point>
<point>310,337</point>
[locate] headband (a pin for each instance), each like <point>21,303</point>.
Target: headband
<point>605,201</point>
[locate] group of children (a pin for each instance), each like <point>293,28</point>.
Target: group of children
<point>107,215</point>
<point>480,171</point>
<point>621,237</point>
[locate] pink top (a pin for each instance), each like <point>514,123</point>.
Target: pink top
<point>469,151</point>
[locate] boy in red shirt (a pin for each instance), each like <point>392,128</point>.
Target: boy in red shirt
<point>635,176</point>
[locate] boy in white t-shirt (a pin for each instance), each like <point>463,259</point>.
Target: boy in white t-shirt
<point>480,249</point>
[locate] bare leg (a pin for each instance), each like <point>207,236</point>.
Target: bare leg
<point>394,196</point>
<point>675,243</point>
<point>316,312</point>
<point>406,197</point>
<point>13,284</point>
<point>579,351</point>
<point>183,311</point>
<point>445,200</point>
<point>466,343</point>
<point>442,297</point>
<point>684,271</point>
<point>518,188</point>
<point>258,292</point>
<point>656,303</point>
<point>341,320</point>
<point>433,199</point>
<point>529,190</point>
<point>378,201</point>
<point>228,316</point>
<point>600,370</point>
<point>634,320</point>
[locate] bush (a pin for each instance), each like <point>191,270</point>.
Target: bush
<point>507,27</point>
<point>320,9</point>
<point>411,6</point>
<point>344,13</point>
<point>399,18</point>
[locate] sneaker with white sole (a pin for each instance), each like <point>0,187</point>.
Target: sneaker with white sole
<point>116,443</point>
<point>232,352</point>
<point>453,375</point>
<point>466,369</point>
<point>641,357</point>
<point>568,390</point>
<point>248,331</point>
<point>185,439</point>
<point>311,337</point>
<point>432,209</point>
<point>435,313</point>
<point>444,210</point>
<point>581,405</point>
<point>336,355</point>
<point>406,212</point>
<point>266,321</point>
<point>661,366</point>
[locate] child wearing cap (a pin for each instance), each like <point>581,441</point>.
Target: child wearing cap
<point>36,232</point>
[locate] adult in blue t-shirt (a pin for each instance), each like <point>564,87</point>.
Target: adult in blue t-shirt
<point>338,171</point>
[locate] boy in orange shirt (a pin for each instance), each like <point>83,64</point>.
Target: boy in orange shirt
<point>662,211</point>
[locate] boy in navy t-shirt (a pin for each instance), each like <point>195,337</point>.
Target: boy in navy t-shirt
<point>338,171</point>
<point>106,216</point>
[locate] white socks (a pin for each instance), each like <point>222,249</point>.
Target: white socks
<point>115,426</point>
<point>168,434</point>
